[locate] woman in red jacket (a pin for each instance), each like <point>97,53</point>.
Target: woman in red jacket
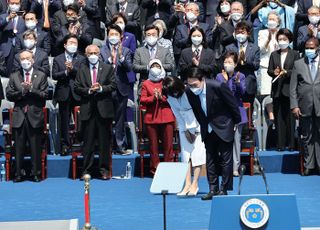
<point>159,118</point>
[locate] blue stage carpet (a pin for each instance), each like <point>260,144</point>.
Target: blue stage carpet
<point>127,204</point>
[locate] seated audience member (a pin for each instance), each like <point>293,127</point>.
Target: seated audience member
<point>198,54</point>
<point>165,43</point>
<point>71,21</point>
<point>156,9</point>
<point>159,119</point>
<point>115,54</point>
<point>64,71</point>
<point>182,33</point>
<point>310,30</point>
<point>281,65</point>
<point>43,37</point>
<point>236,83</point>
<point>95,83</point>
<point>248,61</point>
<point>302,11</point>
<point>267,43</point>
<point>193,151</point>
<point>149,52</point>
<point>41,62</point>
<point>28,89</point>
<point>11,25</point>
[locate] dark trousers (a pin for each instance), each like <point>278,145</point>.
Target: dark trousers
<point>33,135</point>
<point>120,105</point>
<point>9,61</point>
<point>96,129</point>
<point>284,121</point>
<point>310,138</point>
<point>219,155</point>
<point>164,132</point>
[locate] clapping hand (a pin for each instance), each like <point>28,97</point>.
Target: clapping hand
<point>277,71</point>
<point>95,87</point>
<point>69,66</point>
<point>26,86</point>
<point>195,61</point>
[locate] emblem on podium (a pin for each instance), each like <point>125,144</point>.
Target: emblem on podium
<point>254,213</point>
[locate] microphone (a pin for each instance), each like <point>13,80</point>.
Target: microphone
<point>242,171</point>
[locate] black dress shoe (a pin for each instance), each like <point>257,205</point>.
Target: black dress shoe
<point>223,193</point>
<point>209,195</point>
<point>36,179</point>
<point>306,172</point>
<point>18,179</point>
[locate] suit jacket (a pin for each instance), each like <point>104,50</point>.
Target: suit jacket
<point>282,85</point>
<point>251,65</point>
<point>207,62</point>
<point>54,6</point>
<point>304,92</point>
<point>142,58</point>
<point>34,100</point>
<point>93,14</point>
<point>3,67</point>
<point>122,68</point>
<point>100,102</point>
<point>129,41</point>
<point>65,82</point>
<point>41,62</point>
<point>303,36</point>
<point>302,12</point>
<point>164,10</point>
<point>180,40</point>
<point>6,35</point>
<point>222,110</point>
<point>43,41</point>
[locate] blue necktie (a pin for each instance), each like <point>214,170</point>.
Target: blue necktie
<point>313,70</point>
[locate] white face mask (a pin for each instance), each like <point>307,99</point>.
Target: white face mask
<point>191,17</point>
<point>93,59</point>
<point>236,16</point>
<point>114,40</point>
<point>273,5</point>
<point>241,38</point>
<point>155,72</point>
<point>29,43</point>
<point>121,25</point>
<point>272,24</point>
<point>225,8</point>
<point>314,19</point>
<point>196,91</point>
<point>72,48</point>
<point>26,65</point>
<point>68,2</point>
<point>229,68</point>
<point>283,44</point>
<point>151,40</point>
<point>14,7</point>
<point>196,40</point>
<point>31,25</point>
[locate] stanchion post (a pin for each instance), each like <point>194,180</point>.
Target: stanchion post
<point>87,225</point>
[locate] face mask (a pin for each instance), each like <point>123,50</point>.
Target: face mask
<point>72,19</point>
<point>228,68</point>
<point>72,49</point>
<point>225,8</point>
<point>121,1</point>
<point>26,65</point>
<point>93,59</point>
<point>191,16</point>
<point>114,40</point>
<point>121,25</point>
<point>318,35</point>
<point>236,17</point>
<point>310,53</point>
<point>314,19</point>
<point>31,25</point>
<point>273,5</point>
<point>28,43</point>
<point>272,24</point>
<point>151,40</point>
<point>241,38</point>
<point>155,72</point>
<point>14,7</point>
<point>196,40</point>
<point>283,44</point>
<point>196,91</point>
<point>68,2</point>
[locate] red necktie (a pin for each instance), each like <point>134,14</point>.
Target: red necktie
<point>27,77</point>
<point>94,74</point>
<point>114,56</point>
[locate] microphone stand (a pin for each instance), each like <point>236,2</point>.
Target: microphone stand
<point>261,169</point>
<point>242,171</point>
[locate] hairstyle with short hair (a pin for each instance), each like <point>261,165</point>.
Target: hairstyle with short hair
<point>119,15</point>
<point>243,25</point>
<point>204,40</point>
<point>231,54</point>
<point>193,4</point>
<point>219,4</point>
<point>28,51</point>
<point>30,12</point>
<point>195,72</point>
<point>313,39</point>
<point>163,25</point>
<point>286,32</point>
<point>171,85</point>
<point>114,27</point>
<point>29,32</point>
<point>69,36</point>
<point>151,27</point>
<point>276,14</point>
<point>313,8</point>
<point>74,7</point>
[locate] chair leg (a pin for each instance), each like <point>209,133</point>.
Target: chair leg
<point>43,165</point>
<point>251,160</point>
<point>141,166</point>
<point>8,166</point>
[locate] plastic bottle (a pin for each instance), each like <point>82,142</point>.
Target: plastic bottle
<point>128,170</point>
<point>3,173</point>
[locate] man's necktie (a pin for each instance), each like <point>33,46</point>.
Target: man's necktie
<point>94,74</point>
<point>241,54</point>
<point>313,70</point>
<point>114,56</point>
<point>27,77</point>
<point>152,54</point>
<point>122,9</point>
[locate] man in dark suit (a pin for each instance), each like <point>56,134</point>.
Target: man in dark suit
<point>217,111</point>
<point>64,71</point>
<point>95,83</point>
<point>43,37</point>
<point>41,62</point>
<point>302,12</point>
<point>38,8</point>
<point>2,65</point>
<point>115,54</point>
<point>11,25</point>
<point>156,9</point>
<point>27,88</point>
<point>305,101</point>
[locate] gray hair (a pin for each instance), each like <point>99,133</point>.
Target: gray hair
<point>162,24</point>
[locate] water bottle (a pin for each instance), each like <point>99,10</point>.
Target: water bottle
<point>3,173</point>
<point>128,170</point>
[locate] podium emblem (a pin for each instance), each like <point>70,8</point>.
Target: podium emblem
<point>254,213</point>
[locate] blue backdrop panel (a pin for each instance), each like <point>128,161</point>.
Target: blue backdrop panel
<point>225,212</point>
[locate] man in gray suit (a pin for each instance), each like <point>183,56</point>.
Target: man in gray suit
<point>151,51</point>
<point>305,103</point>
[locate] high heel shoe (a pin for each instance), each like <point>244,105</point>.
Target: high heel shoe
<point>193,194</point>
<point>184,192</point>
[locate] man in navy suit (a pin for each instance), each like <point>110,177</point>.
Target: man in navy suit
<point>64,71</point>
<point>120,57</point>
<point>217,111</point>
<point>38,8</point>
<point>180,40</point>
<point>11,25</point>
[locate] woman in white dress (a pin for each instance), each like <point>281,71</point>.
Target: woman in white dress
<point>192,148</point>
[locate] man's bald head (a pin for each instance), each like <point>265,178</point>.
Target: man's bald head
<point>92,49</point>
